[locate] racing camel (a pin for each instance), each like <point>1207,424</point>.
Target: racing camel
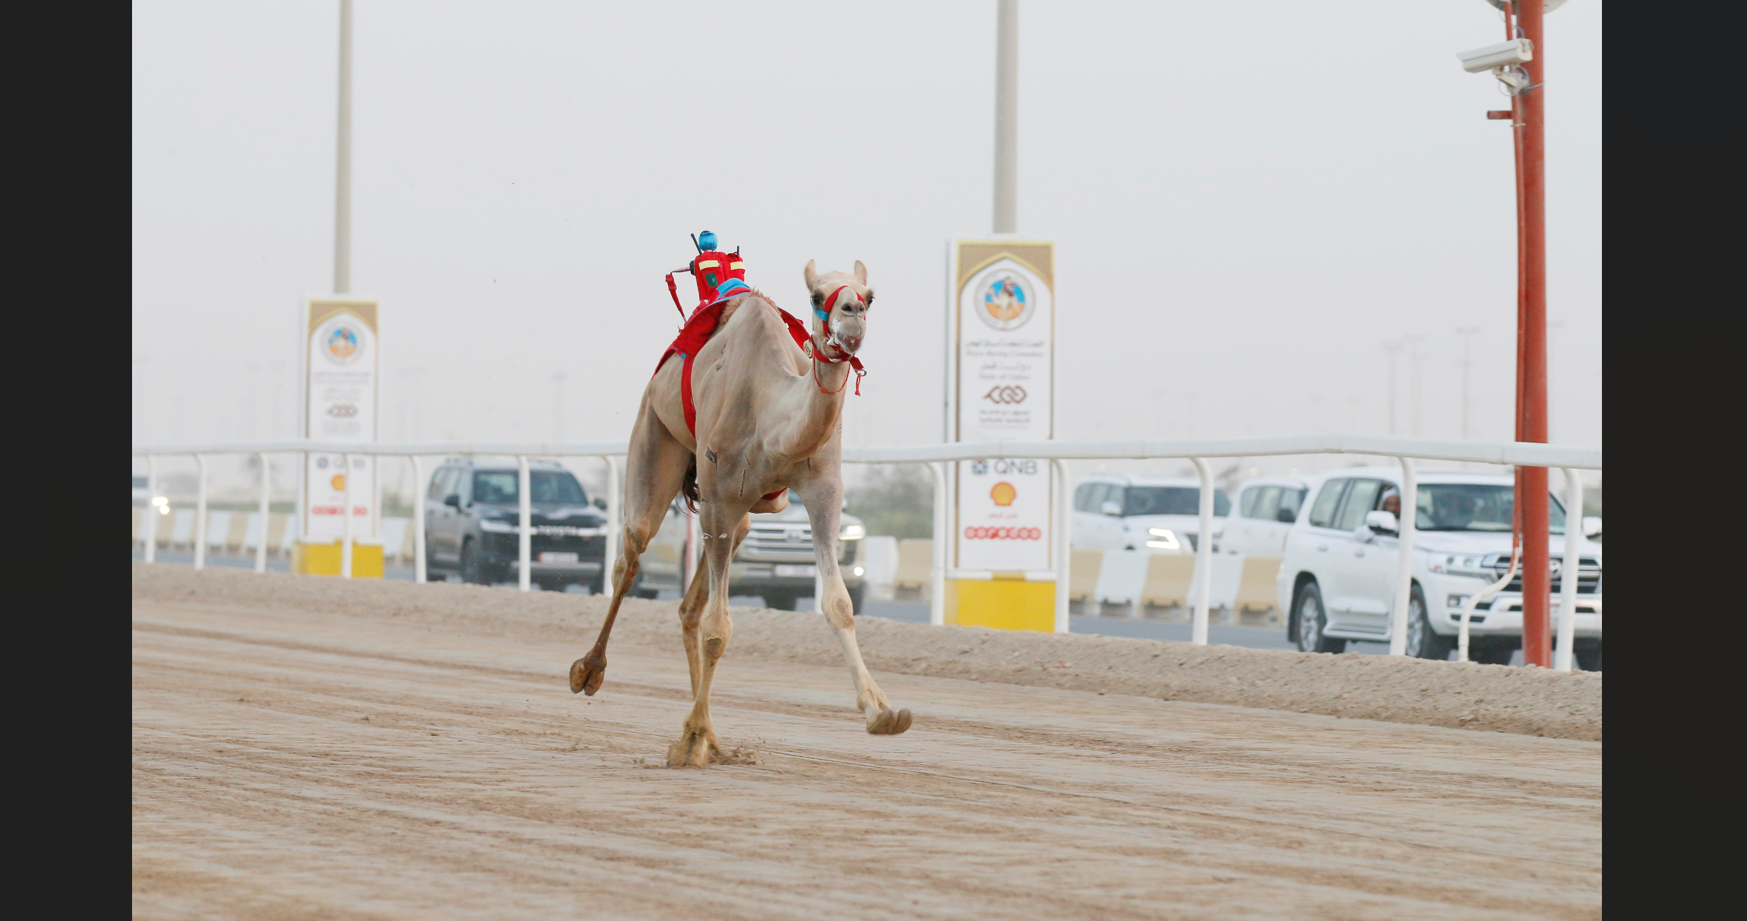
<point>768,416</point>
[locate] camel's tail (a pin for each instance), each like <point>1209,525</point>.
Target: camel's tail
<point>689,489</point>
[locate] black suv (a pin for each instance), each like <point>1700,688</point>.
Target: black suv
<point>472,514</point>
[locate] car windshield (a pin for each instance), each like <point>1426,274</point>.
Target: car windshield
<point>1170,500</point>
<point>1474,507</point>
<point>550,486</point>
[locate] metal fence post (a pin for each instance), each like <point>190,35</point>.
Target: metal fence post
<point>525,525</point>
<point>937,575</point>
<point>346,541</point>
<point>1404,527</point>
<point>152,513</point>
<point>200,515</point>
<point>261,538</point>
<point>1568,571</point>
<point>418,519</point>
<point>1063,548</point>
<point>615,527</point>
<point>1203,557</point>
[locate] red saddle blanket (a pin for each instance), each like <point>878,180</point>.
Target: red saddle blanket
<point>692,337</point>
<point>698,331</point>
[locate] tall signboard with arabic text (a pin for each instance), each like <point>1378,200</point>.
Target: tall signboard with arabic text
<point>1001,387</point>
<point>341,368</point>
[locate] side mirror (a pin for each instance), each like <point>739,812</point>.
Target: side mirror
<point>1112,508</point>
<point>600,503</point>
<point>453,500</point>
<point>1381,521</point>
<point>1286,516</point>
<point>1591,526</point>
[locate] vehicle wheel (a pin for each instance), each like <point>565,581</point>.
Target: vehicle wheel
<point>1490,652</point>
<point>1422,641</point>
<point>855,596</point>
<point>1588,657</point>
<point>472,567</point>
<point>1311,622</point>
<point>781,601</point>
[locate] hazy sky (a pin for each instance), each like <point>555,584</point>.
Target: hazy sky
<point>1247,201</point>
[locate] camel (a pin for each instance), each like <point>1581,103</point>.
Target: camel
<point>769,416</point>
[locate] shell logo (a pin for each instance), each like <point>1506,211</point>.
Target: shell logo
<point>1003,493</point>
<point>338,482</point>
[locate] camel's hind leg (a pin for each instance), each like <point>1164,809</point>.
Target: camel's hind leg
<point>697,745</point>
<point>654,469</point>
<point>691,607</point>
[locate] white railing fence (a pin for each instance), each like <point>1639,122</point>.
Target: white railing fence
<point>936,457</point>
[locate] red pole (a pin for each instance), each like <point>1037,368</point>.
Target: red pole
<point>1532,312</point>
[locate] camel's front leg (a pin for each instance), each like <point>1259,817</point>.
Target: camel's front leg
<point>822,509</point>
<point>697,745</point>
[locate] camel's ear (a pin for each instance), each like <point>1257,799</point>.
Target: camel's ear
<point>811,273</point>
<point>860,273</point>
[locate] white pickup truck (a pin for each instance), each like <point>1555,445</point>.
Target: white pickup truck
<point>1338,574</point>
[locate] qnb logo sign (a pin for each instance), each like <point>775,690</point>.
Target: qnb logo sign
<point>1003,534</point>
<point>343,410</point>
<point>1004,467</point>
<point>1001,393</point>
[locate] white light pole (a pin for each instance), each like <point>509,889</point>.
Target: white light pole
<point>1416,360</point>
<point>1393,349</point>
<point>1553,327</point>
<point>1007,116</point>
<point>1467,333</point>
<point>558,408</point>
<point>343,160</point>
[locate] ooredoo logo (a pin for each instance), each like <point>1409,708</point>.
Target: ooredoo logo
<point>1003,533</point>
<point>343,410</point>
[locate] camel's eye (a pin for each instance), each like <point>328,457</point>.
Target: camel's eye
<point>868,300</point>
<point>818,299</point>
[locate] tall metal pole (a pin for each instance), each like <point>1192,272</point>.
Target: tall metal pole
<point>1466,332</point>
<point>1393,348</point>
<point>1415,363</point>
<point>1007,116</point>
<point>343,161</point>
<point>1532,398</point>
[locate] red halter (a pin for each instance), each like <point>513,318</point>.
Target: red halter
<point>824,315</point>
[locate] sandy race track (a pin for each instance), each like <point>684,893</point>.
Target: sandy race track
<point>296,755</point>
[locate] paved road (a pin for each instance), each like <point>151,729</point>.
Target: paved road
<point>916,612</point>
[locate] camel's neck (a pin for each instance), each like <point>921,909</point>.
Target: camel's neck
<point>818,409</point>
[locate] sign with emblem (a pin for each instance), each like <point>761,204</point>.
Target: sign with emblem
<point>1001,388</point>
<point>341,367</point>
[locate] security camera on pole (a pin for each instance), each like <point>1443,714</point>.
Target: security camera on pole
<point>1519,65</point>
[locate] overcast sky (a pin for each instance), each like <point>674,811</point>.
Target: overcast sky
<point>1247,202</point>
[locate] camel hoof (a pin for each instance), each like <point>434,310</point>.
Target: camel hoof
<point>694,749</point>
<point>889,723</point>
<point>586,675</point>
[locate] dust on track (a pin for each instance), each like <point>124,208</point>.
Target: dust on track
<point>296,759</point>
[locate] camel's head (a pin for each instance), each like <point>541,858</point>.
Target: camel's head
<point>840,305</point>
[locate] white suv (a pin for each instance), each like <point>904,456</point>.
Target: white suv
<point>1338,573</point>
<point>1160,514</point>
<point>1266,509</point>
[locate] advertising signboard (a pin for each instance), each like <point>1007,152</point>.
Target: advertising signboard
<point>341,367</point>
<point>1001,386</point>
